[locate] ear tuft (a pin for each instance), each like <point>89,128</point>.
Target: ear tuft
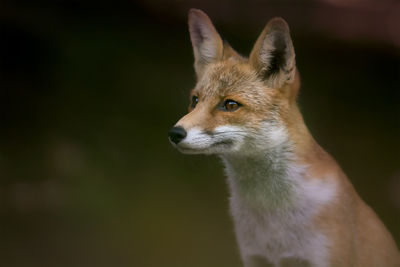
<point>206,42</point>
<point>273,54</point>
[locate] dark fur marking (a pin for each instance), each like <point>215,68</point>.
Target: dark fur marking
<point>223,142</point>
<point>278,56</point>
<point>288,71</point>
<point>210,133</point>
<point>275,63</point>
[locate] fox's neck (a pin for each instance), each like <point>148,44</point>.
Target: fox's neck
<point>270,178</point>
<point>266,180</point>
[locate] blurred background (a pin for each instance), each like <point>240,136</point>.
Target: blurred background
<point>89,89</point>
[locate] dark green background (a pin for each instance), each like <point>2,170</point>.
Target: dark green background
<point>88,91</point>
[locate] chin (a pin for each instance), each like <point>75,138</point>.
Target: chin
<point>212,150</point>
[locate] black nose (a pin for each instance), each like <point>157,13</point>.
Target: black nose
<point>177,134</point>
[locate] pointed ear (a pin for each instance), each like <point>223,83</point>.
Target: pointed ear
<point>273,54</point>
<point>206,42</point>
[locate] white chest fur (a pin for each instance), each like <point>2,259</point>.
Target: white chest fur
<point>273,206</point>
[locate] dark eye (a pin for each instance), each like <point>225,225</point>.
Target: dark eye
<point>230,105</point>
<point>195,100</point>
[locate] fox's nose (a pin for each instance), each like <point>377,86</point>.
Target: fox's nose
<point>177,134</point>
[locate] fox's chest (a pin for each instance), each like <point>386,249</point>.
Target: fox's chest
<point>278,238</point>
<point>274,219</point>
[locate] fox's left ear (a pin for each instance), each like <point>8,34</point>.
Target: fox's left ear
<point>273,54</point>
<point>207,44</point>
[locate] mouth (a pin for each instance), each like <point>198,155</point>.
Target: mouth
<point>189,150</point>
<point>221,140</point>
<point>223,143</point>
<point>214,148</point>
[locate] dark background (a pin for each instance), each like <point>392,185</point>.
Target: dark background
<point>89,89</point>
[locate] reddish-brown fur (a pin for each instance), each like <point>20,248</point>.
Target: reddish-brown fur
<point>358,238</point>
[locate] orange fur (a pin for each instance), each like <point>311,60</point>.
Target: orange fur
<point>356,235</point>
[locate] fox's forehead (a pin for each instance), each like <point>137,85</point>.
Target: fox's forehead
<point>230,77</point>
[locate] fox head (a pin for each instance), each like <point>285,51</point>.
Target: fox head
<point>239,105</point>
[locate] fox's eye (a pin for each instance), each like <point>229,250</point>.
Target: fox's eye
<point>195,100</point>
<point>230,105</point>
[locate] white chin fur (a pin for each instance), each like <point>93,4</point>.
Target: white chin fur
<point>231,139</point>
<point>222,140</point>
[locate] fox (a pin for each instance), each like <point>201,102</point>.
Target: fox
<point>291,203</point>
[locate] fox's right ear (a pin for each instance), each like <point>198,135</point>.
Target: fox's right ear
<point>207,44</point>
